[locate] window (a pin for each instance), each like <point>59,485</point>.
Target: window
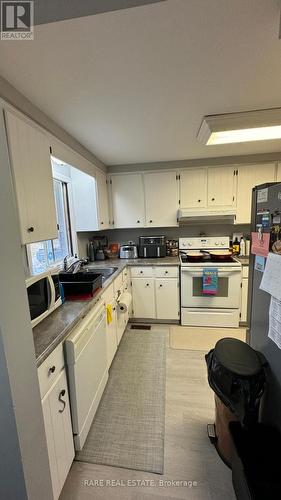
<point>45,254</point>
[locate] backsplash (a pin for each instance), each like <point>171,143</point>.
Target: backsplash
<point>125,235</point>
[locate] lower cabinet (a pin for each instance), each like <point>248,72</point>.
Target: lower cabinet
<point>167,298</point>
<point>143,298</point>
<point>57,420</point>
<point>111,334</point>
<point>244,294</point>
<point>155,297</point>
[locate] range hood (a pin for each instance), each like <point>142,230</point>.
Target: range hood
<point>188,216</point>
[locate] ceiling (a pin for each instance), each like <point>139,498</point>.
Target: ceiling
<point>133,85</point>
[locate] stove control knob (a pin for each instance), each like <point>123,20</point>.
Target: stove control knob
<point>217,243</point>
<point>222,243</point>
<point>189,244</point>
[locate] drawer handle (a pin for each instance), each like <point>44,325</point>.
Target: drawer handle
<point>30,229</point>
<point>141,272</point>
<point>61,394</point>
<point>213,199</point>
<point>166,272</point>
<point>160,286</point>
<point>199,201</point>
<point>147,284</point>
<point>52,369</point>
<point>150,221</point>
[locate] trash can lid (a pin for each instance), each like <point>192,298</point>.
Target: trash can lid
<point>237,357</point>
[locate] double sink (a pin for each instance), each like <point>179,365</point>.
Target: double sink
<point>106,272</point>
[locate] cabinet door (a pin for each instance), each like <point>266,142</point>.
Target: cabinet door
<point>84,201</point>
<point>248,177</point>
<point>279,173</point>
<point>58,429</point>
<point>161,199</point>
<point>102,197</point>
<point>31,165</point>
<point>128,200</point>
<point>193,188</point>
<point>244,300</point>
<point>221,187</point>
<point>111,335</point>
<point>167,298</point>
<point>143,297</point>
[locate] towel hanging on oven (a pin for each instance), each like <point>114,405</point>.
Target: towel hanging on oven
<point>210,281</point>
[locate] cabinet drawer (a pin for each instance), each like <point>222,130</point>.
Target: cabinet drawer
<point>50,369</point>
<point>166,272</point>
<point>141,272</point>
<point>245,271</point>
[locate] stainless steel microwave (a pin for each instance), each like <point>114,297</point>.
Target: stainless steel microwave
<point>44,295</point>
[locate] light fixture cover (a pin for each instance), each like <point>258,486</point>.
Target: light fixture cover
<point>241,127</point>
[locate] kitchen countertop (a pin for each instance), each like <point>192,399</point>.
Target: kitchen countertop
<point>244,260</point>
<point>55,328</point>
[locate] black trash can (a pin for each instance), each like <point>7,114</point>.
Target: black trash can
<point>236,375</point>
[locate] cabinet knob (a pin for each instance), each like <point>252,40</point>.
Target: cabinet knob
<point>138,221</point>
<point>52,369</point>
<point>30,229</point>
<point>61,394</point>
<point>160,286</point>
<point>150,221</point>
<point>141,272</point>
<point>213,199</point>
<point>199,201</point>
<point>101,222</point>
<point>166,272</point>
<point>147,284</point>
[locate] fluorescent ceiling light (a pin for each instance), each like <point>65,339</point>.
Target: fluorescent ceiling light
<point>241,127</point>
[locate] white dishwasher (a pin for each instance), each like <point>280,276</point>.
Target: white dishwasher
<point>86,357</point>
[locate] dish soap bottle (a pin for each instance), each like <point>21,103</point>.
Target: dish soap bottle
<point>236,246</point>
<point>242,247</point>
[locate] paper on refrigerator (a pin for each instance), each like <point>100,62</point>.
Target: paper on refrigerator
<point>274,331</point>
<point>271,279</point>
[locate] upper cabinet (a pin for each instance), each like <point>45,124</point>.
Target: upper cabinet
<point>161,198</point>
<point>279,173</point>
<point>90,198</point>
<point>102,198</point>
<point>193,188</point>
<point>29,151</point>
<point>127,200</point>
<point>248,177</point>
<point>221,187</point>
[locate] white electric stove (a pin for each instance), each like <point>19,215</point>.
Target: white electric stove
<point>221,309</point>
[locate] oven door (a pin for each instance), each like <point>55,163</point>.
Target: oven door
<point>227,296</point>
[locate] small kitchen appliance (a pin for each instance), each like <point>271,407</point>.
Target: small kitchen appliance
<point>204,259</point>
<point>129,251</point>
<point>152,246</point>
<point>44,295</point>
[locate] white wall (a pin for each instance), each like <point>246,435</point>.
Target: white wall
<point>24,466</point>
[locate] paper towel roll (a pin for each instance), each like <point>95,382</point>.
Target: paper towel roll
<point>124,302</point>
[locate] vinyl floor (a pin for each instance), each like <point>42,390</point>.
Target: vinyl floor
<point>192,468</point>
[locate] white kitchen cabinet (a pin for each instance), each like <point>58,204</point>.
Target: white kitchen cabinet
<point>102,199</point>
<point>279,172</point>
<point>127,200</point>
<point>248,177</point>
<point>143,297</point>
<point>193,188</point>
<point>244,294</point>
<point>167,298</point>
<point>57,420</point>
<point>30,158</point>
<point>161,198</point>
<point>221,187</point>
<point>90,199</point>
<point>111,328</point>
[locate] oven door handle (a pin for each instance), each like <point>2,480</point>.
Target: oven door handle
<point>226,270</point>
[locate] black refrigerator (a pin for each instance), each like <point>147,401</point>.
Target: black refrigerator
<point>266,218</point>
